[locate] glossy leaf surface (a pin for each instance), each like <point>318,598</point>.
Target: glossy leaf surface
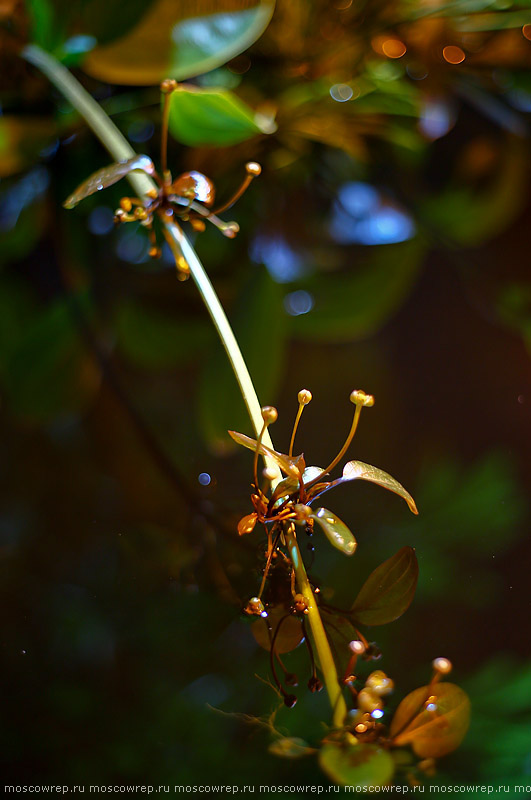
<point>357,765</point>
<point>213,117</point>
<point>358,470</point>
<point>389,589</point>
<point>335,530</point>
<point>179,40</point>
<point>290,485</point>
<point>432,733</point>
<point>287,464</point>
<point>107,176</point>
<point>289,636</point>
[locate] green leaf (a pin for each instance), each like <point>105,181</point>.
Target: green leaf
<point>291,484</point>
<point>335,530</point>
<point>213,117</point>
<point>155,340</point>
<point>357,469</point>
<point>290,747</point>
<point>357,765</point>
<point>355,304</point>
<point>180,40</point>
<point>389,589</point>
<point>260,326</point>
<point>436,732</point>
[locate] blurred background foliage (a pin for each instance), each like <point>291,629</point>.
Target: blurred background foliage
<point>386,245</point>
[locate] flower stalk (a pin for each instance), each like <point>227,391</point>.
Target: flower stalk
<point>120,149</point>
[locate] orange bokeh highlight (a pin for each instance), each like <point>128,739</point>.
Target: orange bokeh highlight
<point>393,48</point>
<point>526,30</point>
<point>453,54</point>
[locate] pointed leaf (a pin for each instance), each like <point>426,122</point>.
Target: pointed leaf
<point>109,175</point>
<point>213,117</point>
<point>335,530</point>
<point>291,484</point>
<point>389,589</point>
<point>247,523</point>
<point>357,765</point>
<point>287,464</point>
<point>436,732</point>
<point>357,469</point>
<point>180,40</point>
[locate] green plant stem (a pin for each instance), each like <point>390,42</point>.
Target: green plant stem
<point>120,150</point>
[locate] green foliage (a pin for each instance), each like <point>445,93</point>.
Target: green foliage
<point>432,732</point>
<point>388,591</point>
<point>357,765</point>
<point>335,531</point>
<point>213,117</point>
<point>179,41</point>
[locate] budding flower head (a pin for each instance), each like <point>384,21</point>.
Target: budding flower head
<point>304,397</point>
<point>269,415</point>
<point>255,607</point>
<point>253,168</point>
<point>442,665</point>
<point>359,398</point>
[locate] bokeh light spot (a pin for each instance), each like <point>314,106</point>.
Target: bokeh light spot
<point>393,48</point>
<point>204,478</point>
<point>299,302</point>
<point>341,92</point>
<point>453,54</point>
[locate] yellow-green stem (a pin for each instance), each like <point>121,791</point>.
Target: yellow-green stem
<point>120,150</point>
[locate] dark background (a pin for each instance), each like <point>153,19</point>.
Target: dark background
<point>125,653</point>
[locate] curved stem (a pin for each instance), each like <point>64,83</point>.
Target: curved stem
<point>120,149</point>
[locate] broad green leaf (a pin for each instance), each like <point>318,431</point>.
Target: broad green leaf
<point>389,589</point>
<point>156,340</point>
<point>180,40</point>
<point>357,469</point>
<point>107,176</point>
<point>290,747</point>
<point>213,117</point>
<point>291,484</point>
<point>287,464</point>
<point>289,636</point>
<point>260,327</point>
<point>355,304</point>
<point>335,530</point>
<point>432,729</point>
<point>357,765</point>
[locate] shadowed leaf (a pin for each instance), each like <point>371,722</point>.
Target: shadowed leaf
<point>107,176</point>
<point>180,40</point>
<point>213,117</point>
<point>357,765</point>
<point>290,485</point>
<point>289,636</point>
<point>389,589</point>
<point>335,530</point>
<point>432,733</point>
